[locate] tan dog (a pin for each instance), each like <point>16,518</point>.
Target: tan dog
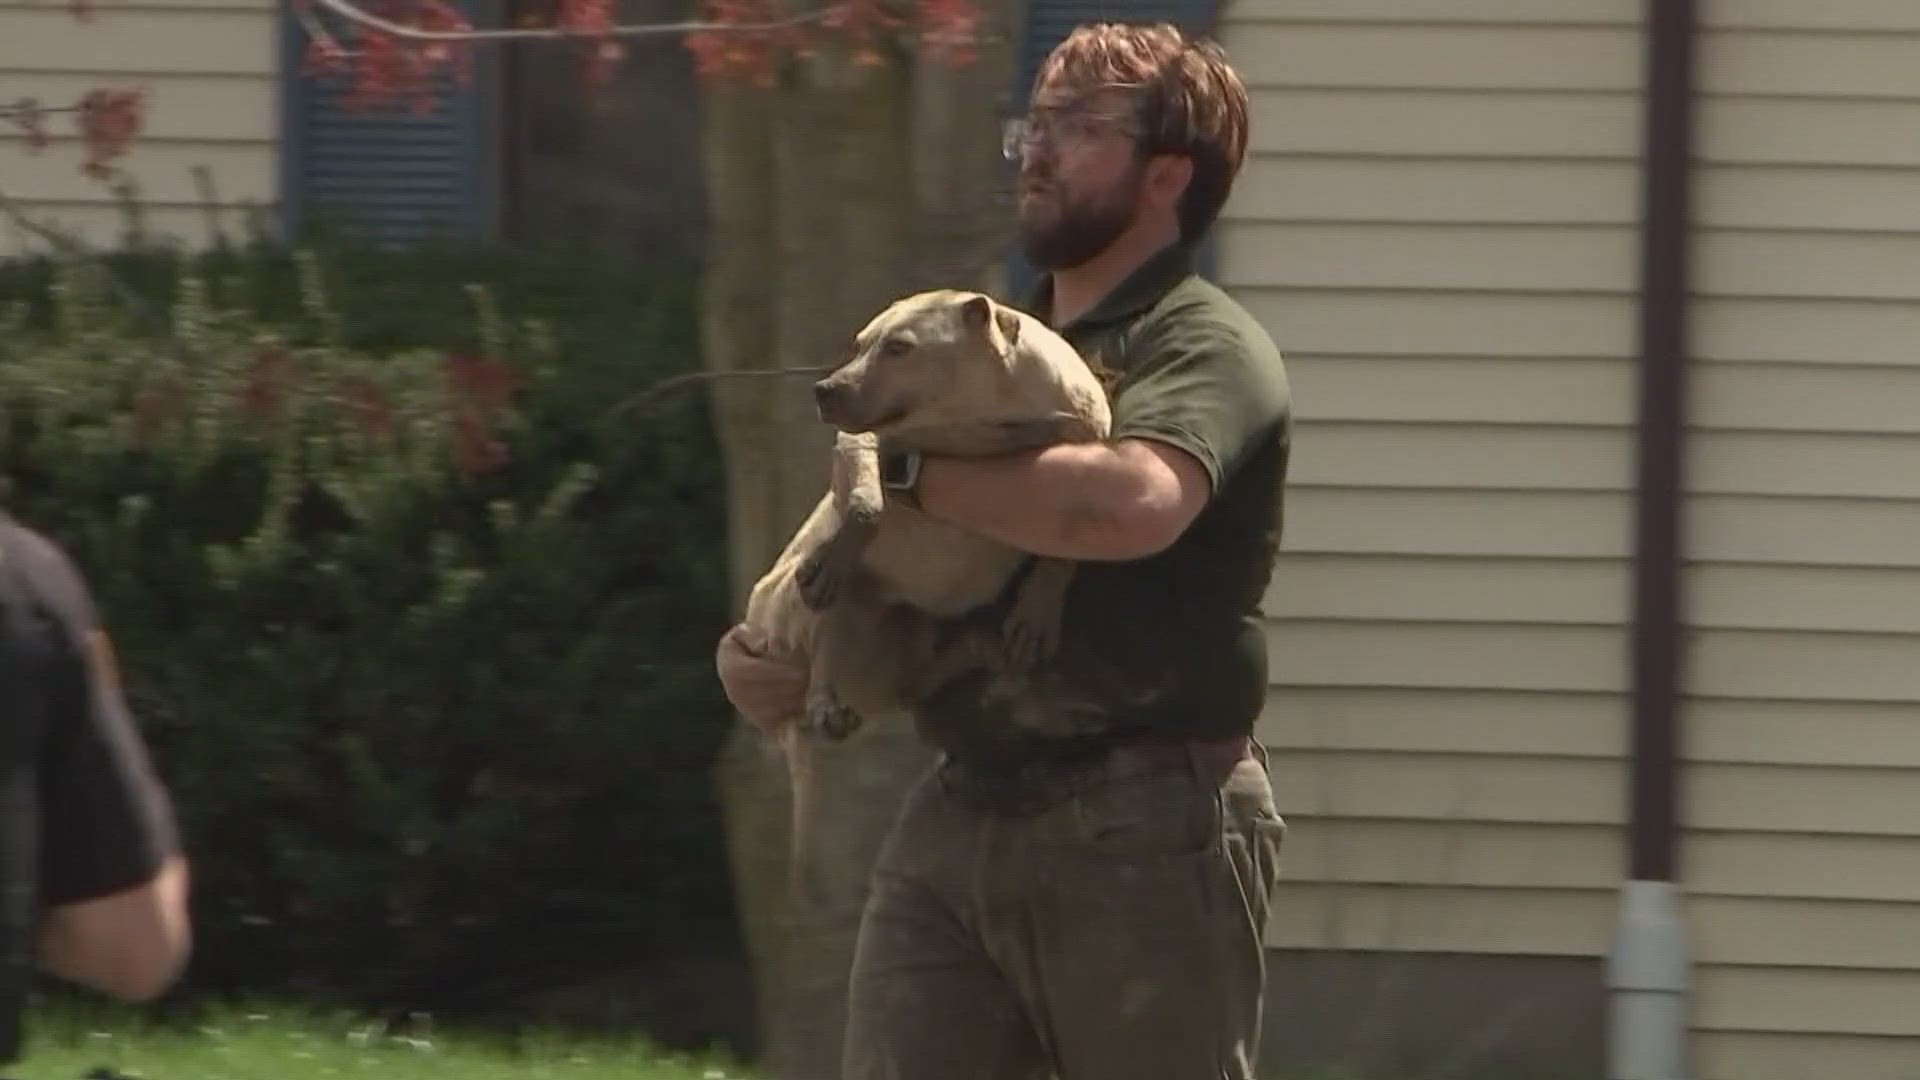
<point>857,587</point>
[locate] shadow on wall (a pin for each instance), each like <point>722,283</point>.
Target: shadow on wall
<point>1433,1016</point>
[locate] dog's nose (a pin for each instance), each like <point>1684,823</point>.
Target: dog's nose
<point>826,392</point>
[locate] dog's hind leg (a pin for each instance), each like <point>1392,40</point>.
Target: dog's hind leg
<point>826,714</point>
<point>855,664</point>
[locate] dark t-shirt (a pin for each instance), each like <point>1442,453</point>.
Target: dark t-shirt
<point>1173,645</point>
<point>105,823</point>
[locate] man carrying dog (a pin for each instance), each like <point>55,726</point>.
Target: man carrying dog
<point>93,884</point>
<point>1090,901</point>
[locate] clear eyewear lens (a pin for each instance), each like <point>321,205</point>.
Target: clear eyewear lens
<point>1014,135</point>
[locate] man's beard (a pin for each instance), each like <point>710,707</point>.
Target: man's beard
<point>1084,228</point>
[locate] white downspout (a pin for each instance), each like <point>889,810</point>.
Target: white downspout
<point>1647,984</point>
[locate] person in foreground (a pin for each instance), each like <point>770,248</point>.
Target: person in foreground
<point>93,884</point>
<point>1089,901</point>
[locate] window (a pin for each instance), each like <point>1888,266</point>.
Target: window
<point>392,174</point>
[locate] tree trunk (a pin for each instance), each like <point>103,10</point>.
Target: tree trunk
<point>963,219</point>
<point>848,140</point>
<point>876,182</point>
<point>737,331</point>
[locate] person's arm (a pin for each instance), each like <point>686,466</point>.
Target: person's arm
<point>1126,498</point>
<point>1179,430</point>
<point>113,876</point>
<point>131,944</point>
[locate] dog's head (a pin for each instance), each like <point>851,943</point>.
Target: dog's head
<point>929,356</point>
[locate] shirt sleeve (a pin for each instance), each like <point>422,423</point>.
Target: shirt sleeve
<point>1206,388</point>
<point>106,819</point>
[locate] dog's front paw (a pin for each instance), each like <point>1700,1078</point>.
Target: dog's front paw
<point>819,579</point>
<point>1031,631</point>
<point>864,505</point>
<point>1031,636</point>
<point>827,573</point>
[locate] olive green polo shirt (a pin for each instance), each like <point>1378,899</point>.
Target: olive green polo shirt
<point>1173,645</point>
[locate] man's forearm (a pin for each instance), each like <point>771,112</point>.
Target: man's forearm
<point>131,944</point>
<point>1091,501</point>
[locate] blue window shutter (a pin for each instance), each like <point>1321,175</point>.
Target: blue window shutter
<point>391,174</point>
<point>1048,24</point>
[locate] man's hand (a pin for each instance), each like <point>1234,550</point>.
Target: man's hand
<point>770,691</point>
<point>131,944</point>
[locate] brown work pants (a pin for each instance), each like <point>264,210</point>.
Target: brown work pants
<point>1114,935</point>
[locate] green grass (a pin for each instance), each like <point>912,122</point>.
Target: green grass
<point>281,1043</point>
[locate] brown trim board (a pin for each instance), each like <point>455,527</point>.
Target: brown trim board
<point>1665,228</point>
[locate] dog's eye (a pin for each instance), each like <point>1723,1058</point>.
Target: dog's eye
<point>896,347</point>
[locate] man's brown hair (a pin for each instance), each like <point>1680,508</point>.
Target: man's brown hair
<point>1188,98</point>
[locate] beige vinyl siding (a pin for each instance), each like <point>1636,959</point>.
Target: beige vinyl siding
<point>1802,856</point>
<point>209,67</point>
<point>1437,224</point>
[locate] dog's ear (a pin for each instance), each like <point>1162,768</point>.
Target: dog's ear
<point>976,312</point>
<point>1000,325</point>
<point>1009,322</point>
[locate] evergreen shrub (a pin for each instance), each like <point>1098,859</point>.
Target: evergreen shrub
<point>417,618</point>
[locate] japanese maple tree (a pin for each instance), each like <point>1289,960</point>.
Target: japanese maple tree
<point>393,51</point>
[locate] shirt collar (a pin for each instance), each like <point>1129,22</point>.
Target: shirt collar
<point>1139,291</point>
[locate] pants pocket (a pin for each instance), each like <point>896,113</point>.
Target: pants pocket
<point>1168,814</point>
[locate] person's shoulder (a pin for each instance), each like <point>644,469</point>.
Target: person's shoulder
<point>1198,309</point>
<point>42,568</point>
<point>1205,317</point>
<point>32,551</point>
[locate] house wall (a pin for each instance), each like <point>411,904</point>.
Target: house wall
<point>1437,223</point>
<point>209,66</point>
<point>1802,855</point>
<point>1437,226</point>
